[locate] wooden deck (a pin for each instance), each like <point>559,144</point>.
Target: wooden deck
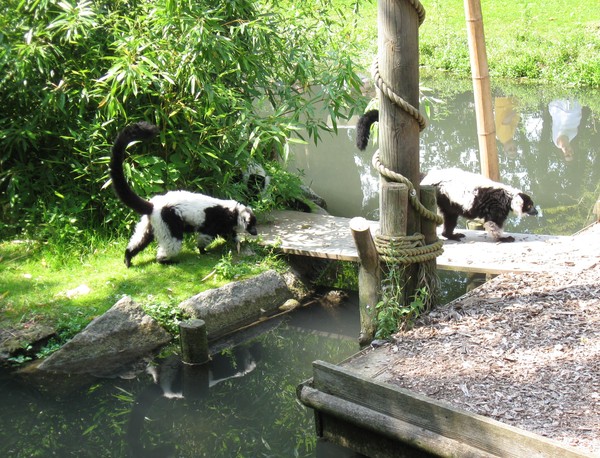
<point>329,237</point>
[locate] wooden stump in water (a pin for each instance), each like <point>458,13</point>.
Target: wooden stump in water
<point>194,342</point>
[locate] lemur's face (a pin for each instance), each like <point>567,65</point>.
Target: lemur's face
<point>522,204</point>
<point>247,220</point>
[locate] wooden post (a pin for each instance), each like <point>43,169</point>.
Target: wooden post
<point>368,278</point>
<point>428,227</point>
<point>194,342</point>
<point>486,130</point>
<point>394,207</point>
<point>398,58</point>
<point>394,223</point>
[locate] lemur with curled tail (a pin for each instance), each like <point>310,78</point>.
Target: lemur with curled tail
<point>169,216</point>
<point>461,193</point>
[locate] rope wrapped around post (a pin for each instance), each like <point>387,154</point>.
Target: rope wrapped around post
<point>407,249</point>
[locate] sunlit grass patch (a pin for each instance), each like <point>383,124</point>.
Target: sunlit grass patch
<point>66,289</point>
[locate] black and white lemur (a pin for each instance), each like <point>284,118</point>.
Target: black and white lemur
<point>461,193</point>
<point>168,216</point>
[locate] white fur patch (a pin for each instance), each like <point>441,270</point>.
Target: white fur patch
<point>494,230</point>
<point>517,205</point>
<point>138,234</point>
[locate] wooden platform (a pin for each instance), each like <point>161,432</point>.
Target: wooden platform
<point>329,237</point>
<point>382,420</point>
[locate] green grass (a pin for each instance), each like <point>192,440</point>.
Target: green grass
<point>546,41</point>
<point>37,281</point>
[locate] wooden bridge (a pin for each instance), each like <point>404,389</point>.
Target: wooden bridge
<point>329,237</point>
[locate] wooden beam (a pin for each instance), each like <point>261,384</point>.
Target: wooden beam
<point>329,237</point>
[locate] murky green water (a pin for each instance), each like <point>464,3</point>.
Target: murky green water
<point>246,406</point>
<point>565,188</point>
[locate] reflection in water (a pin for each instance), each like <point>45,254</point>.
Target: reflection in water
<point>566,116</point>
<point>174,379</point>
<point>564,189</point>
<point>507,119</point>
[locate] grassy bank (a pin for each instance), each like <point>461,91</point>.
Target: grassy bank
<point>50,285</point>
<point>546,41</point>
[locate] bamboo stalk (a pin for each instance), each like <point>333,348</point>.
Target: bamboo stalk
<point>486,130</point>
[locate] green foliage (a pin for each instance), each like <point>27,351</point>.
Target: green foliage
<point>227,82</point>
<point>548,41</point>
<point>392,313</point>
<point>167,315</point>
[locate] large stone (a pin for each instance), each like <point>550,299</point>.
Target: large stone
<point>237,304</point>
<point>121,336</point>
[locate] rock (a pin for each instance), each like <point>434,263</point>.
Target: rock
<point>289,305</point>
<point>237,304</point>
<point>110,342</point>
<point>24,340</point>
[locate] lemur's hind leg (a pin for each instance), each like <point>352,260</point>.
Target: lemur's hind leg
<point>450,221</point>
<point>496,232</point>
<point>168,230</point>
<point>141,238</point>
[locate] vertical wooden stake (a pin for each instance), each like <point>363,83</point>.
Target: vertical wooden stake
<point>486,128</point>
<point>394,206</point>
<point>194,342</point>
<point>394,222</point>
<point>428,227</point>
<point>368,278</point>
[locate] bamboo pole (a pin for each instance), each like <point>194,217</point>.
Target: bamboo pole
<point>398,58</point>
<point>486,129</point>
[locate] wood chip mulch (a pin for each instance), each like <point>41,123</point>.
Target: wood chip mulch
<point>523,349</point>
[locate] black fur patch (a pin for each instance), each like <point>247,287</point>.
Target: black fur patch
<point>491,204</point>
<point>219,221</point>
<point>174,222</point>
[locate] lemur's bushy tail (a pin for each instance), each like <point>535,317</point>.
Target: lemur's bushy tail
<point>138,131</point>
<point>363,128</point>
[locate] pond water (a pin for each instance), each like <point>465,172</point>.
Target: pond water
<point>245,404</point>
<point>564,186</point>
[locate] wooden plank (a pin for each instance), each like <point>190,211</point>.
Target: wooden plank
<point>451,426</point>
<point>309,234</point>
<point>392,428</point>
<point>329,237</point>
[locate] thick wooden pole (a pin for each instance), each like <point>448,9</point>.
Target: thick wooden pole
<point>486,130</point>
<point>398,58</point>
<point>394,207</point>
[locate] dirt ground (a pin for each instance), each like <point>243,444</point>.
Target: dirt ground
<point>523,349</point>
